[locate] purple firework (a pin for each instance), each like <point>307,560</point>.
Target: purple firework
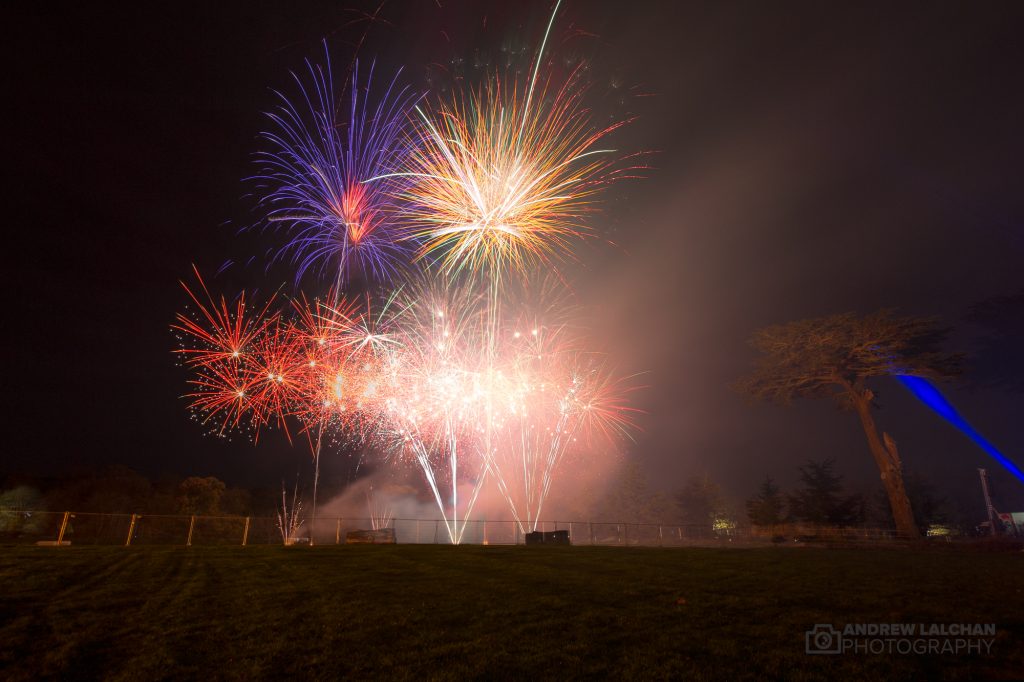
<point>313,175</point>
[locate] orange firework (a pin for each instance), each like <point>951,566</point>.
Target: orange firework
<point>500,181</point>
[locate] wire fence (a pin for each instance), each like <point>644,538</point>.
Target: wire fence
<point>88,528</point>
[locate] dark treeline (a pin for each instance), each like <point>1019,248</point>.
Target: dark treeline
<point>820,497</point>
<point>119,490</point>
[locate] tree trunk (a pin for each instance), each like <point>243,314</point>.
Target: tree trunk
<point>889,466</point>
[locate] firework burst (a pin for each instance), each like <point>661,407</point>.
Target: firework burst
<point>319,153</point>
<point>216,331</point>
<point>478,375</point>
<point>498,184</point>
<point>216,340</point>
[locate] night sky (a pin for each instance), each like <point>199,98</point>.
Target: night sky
<point>807,159</point>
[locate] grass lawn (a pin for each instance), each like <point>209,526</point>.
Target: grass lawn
<point>417,612</point>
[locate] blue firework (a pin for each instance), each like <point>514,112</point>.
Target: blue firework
<point>320,150</point>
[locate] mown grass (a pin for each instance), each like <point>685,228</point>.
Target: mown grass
<point>415,612</point>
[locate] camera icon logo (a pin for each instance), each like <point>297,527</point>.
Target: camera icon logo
<point>823,639</point>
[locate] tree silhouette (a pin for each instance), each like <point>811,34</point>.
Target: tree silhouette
<point>700,502</point>
<point>767,508</point>
<point>835,357</point>
<point>197,495</point>
<point>820,500</point>
<point>631,500</point>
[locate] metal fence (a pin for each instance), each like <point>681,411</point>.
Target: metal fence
<point>87,528</point>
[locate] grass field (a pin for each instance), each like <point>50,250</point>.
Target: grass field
<point>414,612</point>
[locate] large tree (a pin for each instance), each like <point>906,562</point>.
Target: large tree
<point>835,357</point>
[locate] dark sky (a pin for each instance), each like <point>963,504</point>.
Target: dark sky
<point>810,158</point>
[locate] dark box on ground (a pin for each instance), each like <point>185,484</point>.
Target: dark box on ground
<point>554,537</point>
<point>384,536</point>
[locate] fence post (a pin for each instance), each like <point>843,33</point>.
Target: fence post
<point>659,536</point>
<point>245,533</point>
<point>485,532</point>
<point>131,530</point>
<point>63,526</point>
<point>337,533</point>
<point>191,526</point>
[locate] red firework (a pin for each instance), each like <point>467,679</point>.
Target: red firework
<point>218,331</point>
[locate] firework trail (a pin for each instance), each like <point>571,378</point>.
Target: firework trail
<point>381,514</point>
<point>320,152</point>
<point>556,398</point>
<point>433,396</point>
<point>343,342</point>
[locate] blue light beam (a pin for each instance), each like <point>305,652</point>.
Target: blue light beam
<point>930,396</point>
